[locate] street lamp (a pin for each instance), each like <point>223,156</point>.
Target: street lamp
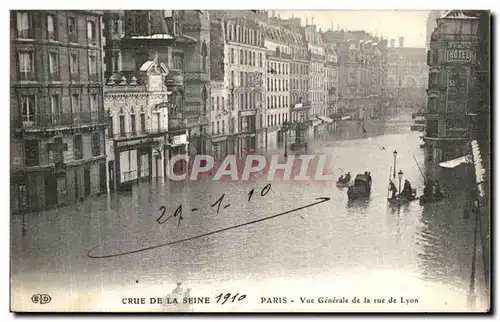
<point>400,177</point>
<point>285,128</point>
<point>395,154</point>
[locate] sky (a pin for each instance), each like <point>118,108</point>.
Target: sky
<point>392,24</point>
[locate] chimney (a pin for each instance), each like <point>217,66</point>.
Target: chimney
<point>401,42</point>
<point>393,43</point>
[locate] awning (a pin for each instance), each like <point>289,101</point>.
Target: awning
<point>325,119</point>
<point>456,162</point>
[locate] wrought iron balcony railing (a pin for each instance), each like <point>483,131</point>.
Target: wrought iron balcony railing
<point>67,119</point>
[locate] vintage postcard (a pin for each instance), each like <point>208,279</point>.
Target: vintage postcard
<point>250,161</point>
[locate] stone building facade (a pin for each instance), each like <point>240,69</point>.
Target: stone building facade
<point>58,123</point>
<point>277,84</point>
<point>452,80</point>
<point>137,146</point>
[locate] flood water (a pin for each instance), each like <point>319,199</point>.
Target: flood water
<point>334,249</point>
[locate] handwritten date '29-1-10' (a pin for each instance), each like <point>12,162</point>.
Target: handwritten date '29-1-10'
<point>178,212</point>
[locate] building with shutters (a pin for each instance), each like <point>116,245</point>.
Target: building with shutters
<point>58,122</point>
<point>240,82</point>
<point>331,82</point>
<point>300,103</point>
<point>277,82</point>
<point>453,82</point>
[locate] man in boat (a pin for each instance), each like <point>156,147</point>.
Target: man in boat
<point>341,179</point>
<point>406,190</point>
<point>437,189</point>
<point>348,177</point>
<point>369,178</point>
<point>428,193</point>
<point>393,189</point>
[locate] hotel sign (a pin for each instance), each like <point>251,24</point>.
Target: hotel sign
<point>459,52</point>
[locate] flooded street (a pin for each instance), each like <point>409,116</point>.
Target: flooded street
<point>363,249</point>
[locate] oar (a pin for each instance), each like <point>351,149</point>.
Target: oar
<point>421,172</point>
<point>388,192</point>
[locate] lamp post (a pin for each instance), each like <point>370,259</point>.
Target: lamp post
<point>285,128</point>
<point>395,154</point>
<point>400,177</point>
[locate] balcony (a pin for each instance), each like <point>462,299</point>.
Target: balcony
<point>45,121</point>
<point>121,136</point>
<point>174,77</point>
<point>25,34</point>
<point>277,54</point>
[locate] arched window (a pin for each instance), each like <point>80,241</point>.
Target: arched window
<point>204,57</point>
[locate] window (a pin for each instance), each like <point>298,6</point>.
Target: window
<point>143,123</point>
<point>223,130</point>
<point>116,61</point>
<point>218,127</point>
<point>232,56</point>
<point>31,153</point>
<point>73,64</point>
<point>178,61</point>
<point>213,103</point>
<point>222,103</point>
<point>26,66</point>
<point>132,124</point>
<point>157,121</point>
<point>213,128</point>
<point>91,32</point>
<point>433,79</point>
<point>75,103</point>
<point>93,103</point>
<point>51,27</point>
<point>110,127</point>
<point>204,57</point>
<point>96,144</point>
<point>241,78</point>
<point>217,100</point>
<point>116,26</point>
<point>24,25</point>
<point>73,29</point>
<point>28,105</point>
<point>77,147</point>
<point>253,59</point>
<point>122,125</point>
<point>92,64</point>
<point>232,78</point>
<point>55,109</point>
<point>241,56</point>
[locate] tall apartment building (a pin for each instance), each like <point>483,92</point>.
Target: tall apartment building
<point>278,60</point>
<point>452,81</point>
<point>331,80</point>
<point>180,41</point>
<point>245,75</point>
<point>300,103</point>
<point>362,72</point>
<point>58,123</point>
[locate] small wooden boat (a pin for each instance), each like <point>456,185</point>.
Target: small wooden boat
<point>361,188</point>
<point>400,200</point>
<point>425,199</point>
